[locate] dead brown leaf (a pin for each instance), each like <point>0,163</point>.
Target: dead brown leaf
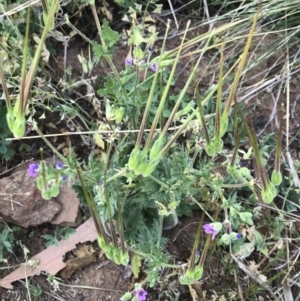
<point>196,291</point>
<point>50,260</point>
<point>83,255</point>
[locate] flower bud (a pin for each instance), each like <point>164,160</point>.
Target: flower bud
<point>198,272</point>
<point>19,127</point>
<point>141,167</point>
<point>126,297</point>
<point>156,149</point>
<point>276,177</point>
<point>232,170</point>
<point>224,124</point>
<point>138,53</point>
<point>267,196</point>
<point>245,172</point>
<point>149,168</point>
<point>119,113</point>
<point>46,194</point>
<point>124,258</point>
<point>225,238</point>
<point>54,191</point>
<point>134,159</point>
<point>209,148</point>
<point>218,144</point>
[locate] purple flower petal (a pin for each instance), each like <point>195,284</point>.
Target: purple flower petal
<point>33,170</point>
<point>210,229</point>
<point>141,294</point>
<point>154,67</point>
<point>238,236</point>
<point>128,61</point>
<point>59,165</point>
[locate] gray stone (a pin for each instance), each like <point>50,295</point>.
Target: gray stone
<point>69,214</point>
<point>21,202</point>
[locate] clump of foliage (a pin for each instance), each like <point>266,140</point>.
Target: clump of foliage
<point>6,151</point>
<point>6,241</point>
<point>59,234</point>
<point>164,155</point>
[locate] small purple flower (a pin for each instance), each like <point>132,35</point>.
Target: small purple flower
<point>238,236</point>
<point>100,182</point>
<point>154,67</point>
<point>64,178</point>
<point>141,294</point>
<point>150,49</point>
<point>213,228</point>
<point>128,61</point>
<point>33,170</point>
<point>59,165</point>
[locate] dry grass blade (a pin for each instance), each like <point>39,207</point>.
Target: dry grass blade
<point>288,296</point>
<point>19,8</point>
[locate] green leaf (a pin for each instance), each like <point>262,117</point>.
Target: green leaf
<point>98,52</point>
<point>48,236</point>
<point>198,272</point>
<point>126,297</point>
<point>136,264</point>
<point>258,238</point>
<point>245,250</point>
<point>3,148</point>
<point>7,245</point>
<point>56,242</point>
<point>110,37</point>
<point>49,243</point>
<point>68,232</point>
<point>246,217</point>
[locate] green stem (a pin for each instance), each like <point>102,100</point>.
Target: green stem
<point>151,93</point>
<point>159,182</point>
<point>164,96</point>
<point>119,174</point>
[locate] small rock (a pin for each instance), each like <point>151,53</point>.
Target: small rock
<point>21,202</point>
<point>69,214</point>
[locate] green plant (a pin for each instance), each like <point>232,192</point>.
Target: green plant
<point>59,234</point>
<point>6,241</point>
<point>139,187</point>
<point>166,153</point>
<point>16,112</point>
<point>5,151</point>
<point>35,291</point>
